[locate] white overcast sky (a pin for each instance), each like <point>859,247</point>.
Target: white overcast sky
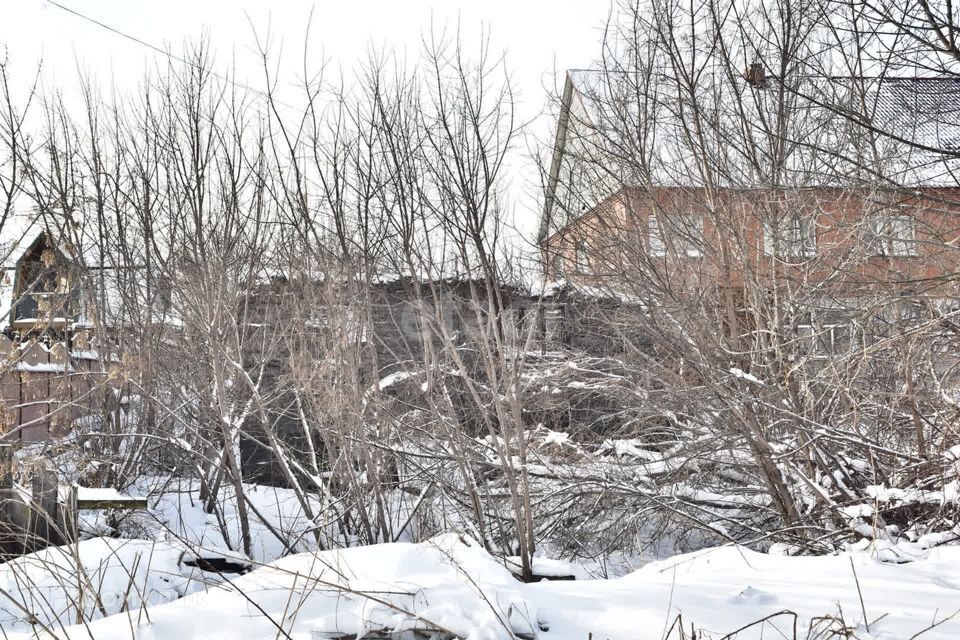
<point>538,36</point>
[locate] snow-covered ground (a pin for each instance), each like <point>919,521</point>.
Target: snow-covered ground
<point>99,577</point>
<point>278,525</point>
<point>452,586</point>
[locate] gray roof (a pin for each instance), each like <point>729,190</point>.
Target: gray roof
<point>926,110</point>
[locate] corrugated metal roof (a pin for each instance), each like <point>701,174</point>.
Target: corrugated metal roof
<point>926,110</point>
<point>916,120</point>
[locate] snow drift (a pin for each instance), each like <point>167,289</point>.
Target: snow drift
<point>450,587</point>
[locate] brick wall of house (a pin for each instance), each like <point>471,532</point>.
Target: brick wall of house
<point>616,239</point>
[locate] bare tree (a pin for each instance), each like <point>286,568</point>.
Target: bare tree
<point>758,192</point>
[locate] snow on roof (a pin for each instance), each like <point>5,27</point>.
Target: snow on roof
<point>19,231</point>
<point>557,288</point>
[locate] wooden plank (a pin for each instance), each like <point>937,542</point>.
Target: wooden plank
<point>122,503</point>
<point>107,498</point>
<point>8,351</point>
<point>10,386</point>
<point>34,412</point>
<point>35,354</point>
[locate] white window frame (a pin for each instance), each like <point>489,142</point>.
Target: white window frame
<point>655,241</point>
<point>798,240</point>
<point>581,257</point>
<point>895,236</point>
<point>557,264</point>
<point>684,224</point>
<point>822,338</point>
<point>807,332</point>
<point>830,331</point>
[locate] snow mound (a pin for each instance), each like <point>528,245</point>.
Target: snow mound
<point>96,578</point>
<point>450,587</point>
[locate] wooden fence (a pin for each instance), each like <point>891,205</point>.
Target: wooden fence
<point>44,389</point>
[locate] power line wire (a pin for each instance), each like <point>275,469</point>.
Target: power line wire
<point>170,55</point>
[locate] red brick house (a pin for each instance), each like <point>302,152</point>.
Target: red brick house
<point>620,216</point>
<point>852,238</point>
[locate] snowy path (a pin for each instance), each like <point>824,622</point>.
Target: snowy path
<point>457,587</point>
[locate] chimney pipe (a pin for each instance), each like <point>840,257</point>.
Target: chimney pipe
<point>755,75</point>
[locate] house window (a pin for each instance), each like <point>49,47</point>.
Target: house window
<point>895,235</point>
<point>824,338</point>
<point>790,237</point>
<point>553,323</point>
<point>834,338</point>
<point>684,233</point>
<point>911,311</point>
<point>582,257</point>
<point>40,277</point>
<point>655,243</point>
<point>556,266</point>
<point>42,290</point>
